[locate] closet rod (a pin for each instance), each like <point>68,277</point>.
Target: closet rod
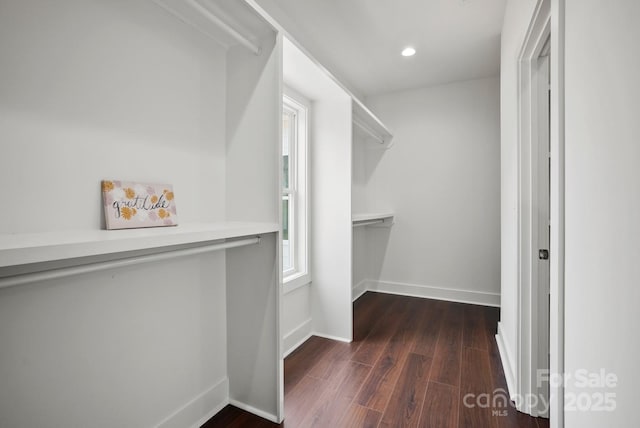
<point>368,130</point>
<point>367,223</point>
<point>226,27</point>
<point>64,272</point>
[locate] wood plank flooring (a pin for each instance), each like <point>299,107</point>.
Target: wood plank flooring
<point>413,363</point>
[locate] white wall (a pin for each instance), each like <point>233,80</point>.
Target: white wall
<point>110,89</point>
<point>119,348</point>
<point>359,204</point>
<point>602,208</point>
<point>331,264</point>
<point>252,194</point>
<point>518,14</point>
<point>297,323</point>
<point>360,251</point>
<point>441,177</point>
<point>254,354</point>
<point>324,307</point>
<point>94,90</point>
<point>253,115</point>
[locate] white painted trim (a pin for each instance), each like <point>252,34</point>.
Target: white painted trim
<point>297,337</point>
<point>300,232</point>
<point>556,284</point>
<point>330,337</point>
<point>507,360</point>
<point>255,411</point>
<point>527,359</point>
<point>211,414</point>
<point>438,293</point>
<point>278,57</point>
<point>294,282</point>
<point>214,398</point>
<point>359,289</point>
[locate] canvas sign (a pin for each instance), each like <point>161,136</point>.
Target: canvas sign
<point>130,205</point>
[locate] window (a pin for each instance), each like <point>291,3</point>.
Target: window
<point>294,190</point>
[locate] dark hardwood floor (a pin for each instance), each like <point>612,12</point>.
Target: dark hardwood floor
<point>413,363</point>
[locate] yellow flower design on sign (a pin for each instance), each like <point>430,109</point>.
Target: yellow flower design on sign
<point>162,213</point>
<point>126,213</point>
<point>107,186</point>
<point>129,193</point>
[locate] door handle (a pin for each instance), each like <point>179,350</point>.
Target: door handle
<point>543,254</point>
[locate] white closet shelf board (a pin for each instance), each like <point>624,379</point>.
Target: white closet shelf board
<point>371,216</point>
<point>229,23</point>
<point>366,219</point>
<point>28,248</point>
<point>368,123</point>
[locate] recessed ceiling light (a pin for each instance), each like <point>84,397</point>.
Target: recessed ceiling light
<point>408,51</point>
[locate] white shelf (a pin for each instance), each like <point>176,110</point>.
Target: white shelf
<point>369,125</point>
<point>371,216</point>
<point>229,23</point>
<point>23,249</point>
<point>366,219</point>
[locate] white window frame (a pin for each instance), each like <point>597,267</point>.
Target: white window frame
<point>298,192</point>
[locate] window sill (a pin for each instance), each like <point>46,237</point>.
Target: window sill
<point>295,281</point>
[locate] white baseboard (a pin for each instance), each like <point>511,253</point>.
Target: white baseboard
<point>255,411</point>
<point>297,337</point>
<point>190,415</point>
<point>330,337</point>
<point>507,361</point>
<point>359,289</point>
<point>306,326</point>
<point>438,293</point>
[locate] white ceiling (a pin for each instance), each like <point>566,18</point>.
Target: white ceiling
<point>360,41</point>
